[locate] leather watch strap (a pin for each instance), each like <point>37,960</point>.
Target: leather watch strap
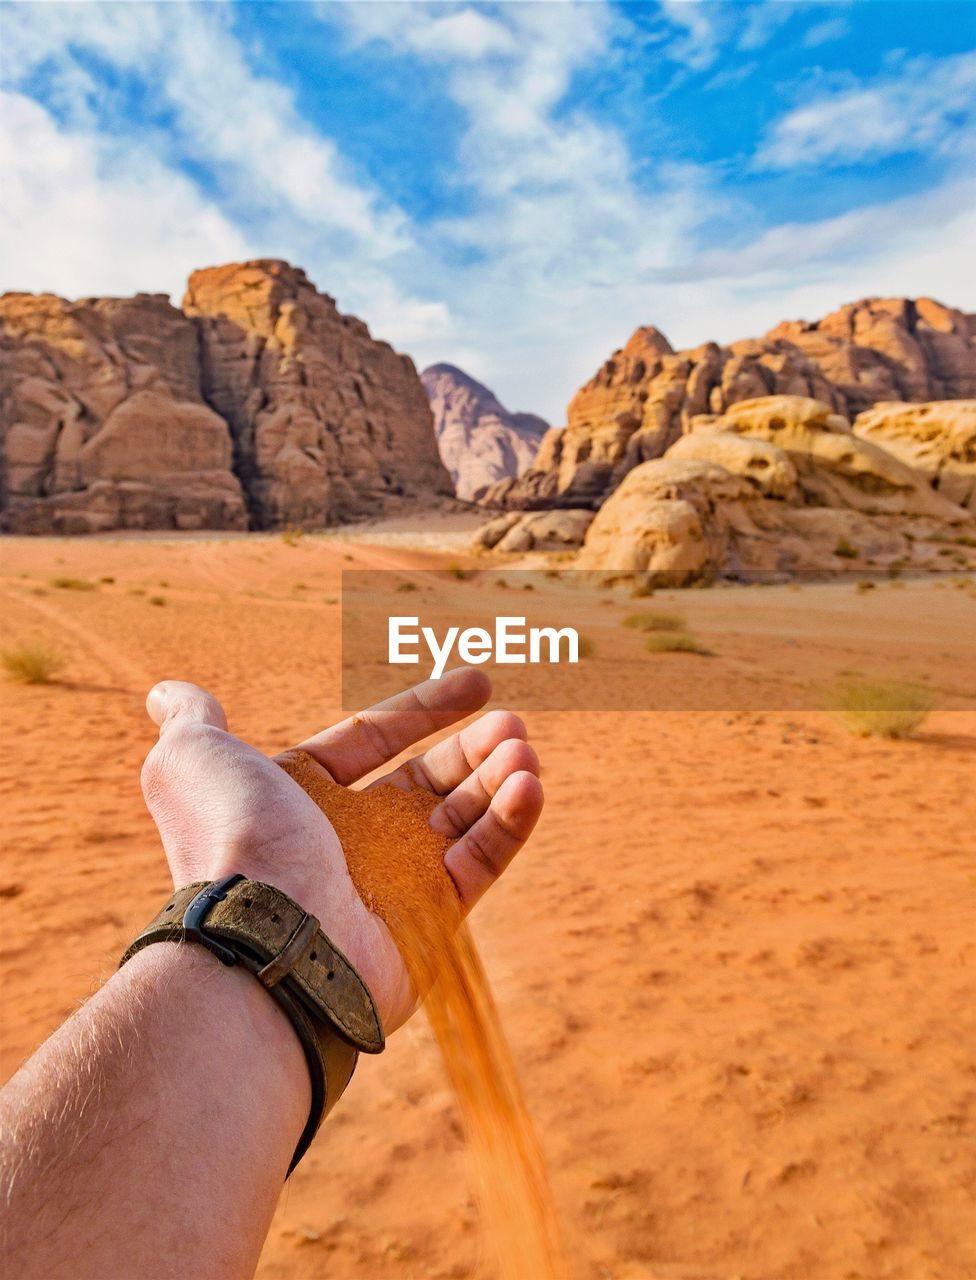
<point>254,924</point>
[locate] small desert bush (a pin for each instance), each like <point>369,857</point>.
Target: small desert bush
<point>586,648</point>
<point>655,622</point>
<point>845,550</point>
<point>641,589</point>
<point>72,584</point>
<point>157,600</point>
<point>31,663</point>
<point>881,708</point>
<point>108,580</point>
<point>675,642</point>
<point>406,586</point>
<point>291,537</point>
<point>456,571</point>
<point>862,587</point>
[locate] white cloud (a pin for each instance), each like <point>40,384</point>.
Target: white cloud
<point>558,222</point>
<point>277,176</point>
<point>921,244</point>
<point>445,32</point>
<point>823,32</point>
<point>562,251</point>
<point>698,44</point>
<point>243,124</point>
<point>929,104</point>
<point>762,20</point>
<point>84,217</point>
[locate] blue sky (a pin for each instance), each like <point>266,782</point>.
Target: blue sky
<point>512,187</point>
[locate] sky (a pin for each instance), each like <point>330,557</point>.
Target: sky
<point>510,187</point>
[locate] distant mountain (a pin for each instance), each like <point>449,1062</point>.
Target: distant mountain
<point>480,441</point>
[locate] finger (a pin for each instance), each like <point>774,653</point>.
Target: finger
<point>483,852</point>
<point>448,763</point>
<point>175,701</point>
<point>367,740</point>
<point>472,797</point>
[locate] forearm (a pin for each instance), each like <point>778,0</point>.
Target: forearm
<point>150,1136</point>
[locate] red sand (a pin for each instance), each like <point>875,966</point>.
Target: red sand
<point>397,864</point>
<point>735,963</point>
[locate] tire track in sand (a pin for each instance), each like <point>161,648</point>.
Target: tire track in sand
<point>98,645</point>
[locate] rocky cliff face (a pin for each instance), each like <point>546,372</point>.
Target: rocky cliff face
<point>646,395</point>
<point>102,420</point>
<point>257,405</point>
<point>782,485</point>
<point>328,424</point>
<point>480,441</point>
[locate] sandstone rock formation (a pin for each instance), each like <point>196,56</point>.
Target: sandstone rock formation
<point>102,422</point>
<point>480,441</point>
<point>778,484</point>
<point>328,424</point>
<point>890,349</point>
<point>834,468</point>
<point>258,404</point>
<point>537,531</point>
<point>646,395</point>
<point>676,521</point>
<point>938,440</point>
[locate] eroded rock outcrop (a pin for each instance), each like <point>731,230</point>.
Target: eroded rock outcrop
<point>102,420</point>
<point>480,441</point>
<point>938,440</point>
<point>259,405</point>
<point>328,424</point>
<point>536,531</point>
<point>834,468</point>
<point>779,484</point>
<point>647,395</point>
<point>676,521</point>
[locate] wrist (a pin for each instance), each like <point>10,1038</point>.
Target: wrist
<point>182,990</point>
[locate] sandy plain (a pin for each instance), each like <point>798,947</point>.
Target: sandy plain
<point>736,963</point>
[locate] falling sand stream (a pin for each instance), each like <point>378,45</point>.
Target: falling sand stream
<point>397,865</point>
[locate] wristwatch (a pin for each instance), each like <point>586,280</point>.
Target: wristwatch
<point>255,925</point>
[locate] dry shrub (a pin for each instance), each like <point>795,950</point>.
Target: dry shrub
<point>675,642</point>
<point>31,663</point>
<point>655,622</point>
<point>72,584</point>
<point>157,600</point>
<point>586,648</point>
<point>881,708</point>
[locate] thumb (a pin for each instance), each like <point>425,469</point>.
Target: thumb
<point>174,702</point>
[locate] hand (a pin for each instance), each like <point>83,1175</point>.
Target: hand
<point>222,807</point>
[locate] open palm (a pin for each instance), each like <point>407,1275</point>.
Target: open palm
<point>223,807</point>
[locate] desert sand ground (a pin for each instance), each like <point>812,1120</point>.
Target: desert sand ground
<point>736,962</point>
